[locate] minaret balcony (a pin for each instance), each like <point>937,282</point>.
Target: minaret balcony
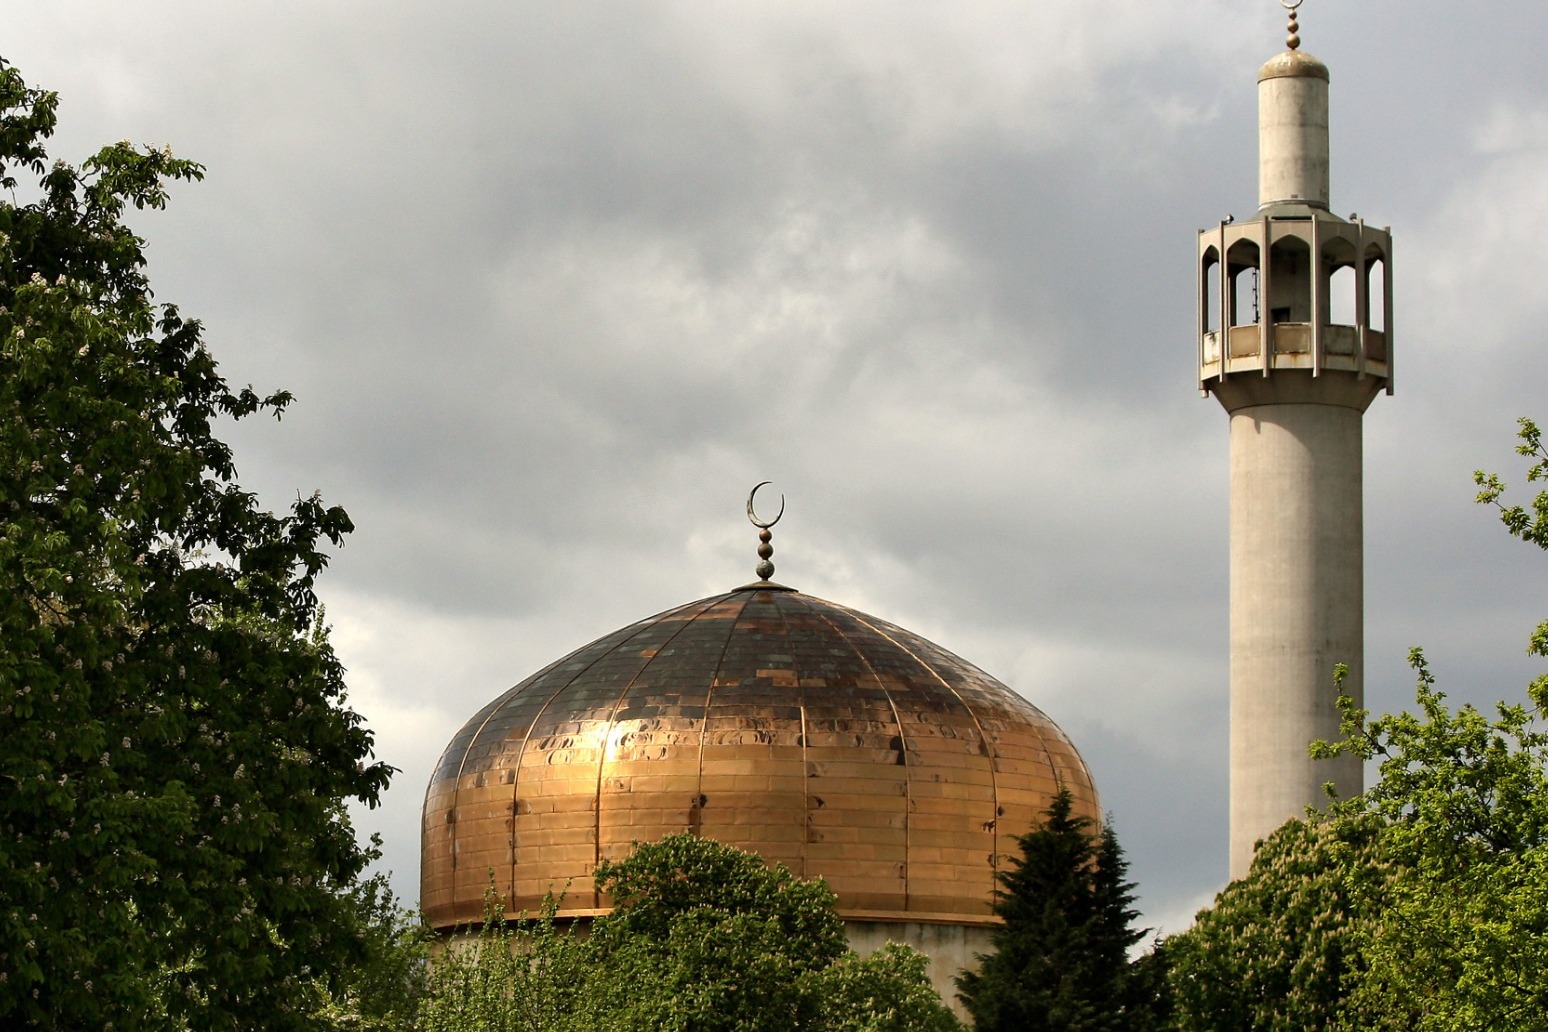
<point>1293,345</point>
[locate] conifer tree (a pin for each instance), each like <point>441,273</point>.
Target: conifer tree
<point>1061,958</point>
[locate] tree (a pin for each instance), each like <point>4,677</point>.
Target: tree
<point>1280,946</point>
<point>1530,525</point>
<point>725,940</point>
<point>1463,799</point>
<point>1415,906</point>
<point>1060,958</point>
<point>382,989</point>
<point>1455,914</point>
<point>888,991</point>
<point>520,976</point>
<point>702,938</point>
<point>175,754</point>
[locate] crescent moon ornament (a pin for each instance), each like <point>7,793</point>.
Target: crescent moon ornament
<point>752,516</point>
<point>765,568</point>
<point>1290,5</point>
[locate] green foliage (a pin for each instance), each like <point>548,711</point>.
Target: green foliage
<point>1454,916</point>
<point>1528,524</point>
<point>1278,948</point>
<point>525,976</point>
<point>380,991</point>
<point>703,938</point>
<point>889,991</point>
<point>689,911</point>
<point>686,879</point>
<point>1060,959</point>
<point>1417,905</point>
<point>174,752</point>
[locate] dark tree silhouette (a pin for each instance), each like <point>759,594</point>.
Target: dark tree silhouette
<point>175,754</point>
<point>1061,958</point>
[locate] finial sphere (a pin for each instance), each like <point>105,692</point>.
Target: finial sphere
<point>1293,32</point>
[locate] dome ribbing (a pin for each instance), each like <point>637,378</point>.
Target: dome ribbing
<point>819,737</point>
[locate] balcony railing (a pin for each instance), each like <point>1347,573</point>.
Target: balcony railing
<point>1291,347</point>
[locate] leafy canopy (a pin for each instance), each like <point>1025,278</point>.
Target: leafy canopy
<point>1530,524</point>
<point>175,754</point>
<point>1279,946</point>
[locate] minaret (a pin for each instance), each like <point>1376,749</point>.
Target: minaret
<point>1295,341</point>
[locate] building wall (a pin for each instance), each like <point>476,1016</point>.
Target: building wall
<point>952,948</point>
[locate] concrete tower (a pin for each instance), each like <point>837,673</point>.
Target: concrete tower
<point>1295,341</point>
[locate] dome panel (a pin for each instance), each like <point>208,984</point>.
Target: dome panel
<point>837,744</point>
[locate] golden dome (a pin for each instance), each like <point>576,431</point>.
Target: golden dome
<point>817,736</point>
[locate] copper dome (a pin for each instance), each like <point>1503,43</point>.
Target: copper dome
<point>817,736</point>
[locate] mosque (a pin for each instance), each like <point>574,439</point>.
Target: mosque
<point>850,749</point>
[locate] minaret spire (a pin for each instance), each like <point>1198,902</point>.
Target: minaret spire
<point>1295,342</point>
<point>1293,158</point>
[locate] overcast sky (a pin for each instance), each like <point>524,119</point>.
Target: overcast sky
<point>556,283</point>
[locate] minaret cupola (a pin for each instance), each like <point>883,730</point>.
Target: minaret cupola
<point>1296,287</point>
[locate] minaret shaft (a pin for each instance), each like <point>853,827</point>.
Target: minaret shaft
<point>1296,608</point>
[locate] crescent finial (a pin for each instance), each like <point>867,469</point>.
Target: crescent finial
<point>765,567</point>
<point>762,524</point>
